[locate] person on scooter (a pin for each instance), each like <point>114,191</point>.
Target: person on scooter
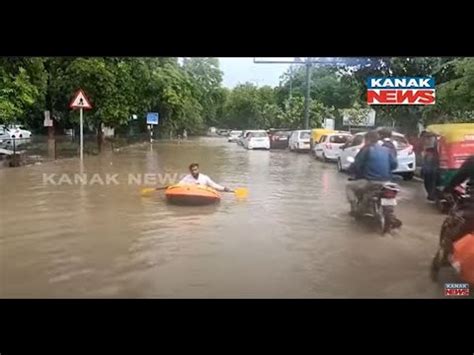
<point>461,221</point>
<point>373,164</point>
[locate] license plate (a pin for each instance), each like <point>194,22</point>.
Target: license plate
<point>283,138</point>
<point>388,202</point>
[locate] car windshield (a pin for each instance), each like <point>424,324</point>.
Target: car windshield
<point>258,134</point>
<point>305,135</point>
<point>340,139</point>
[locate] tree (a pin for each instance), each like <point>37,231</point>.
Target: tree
<point>455,96</point>
<point>22,86</point>
<point>207,78</point>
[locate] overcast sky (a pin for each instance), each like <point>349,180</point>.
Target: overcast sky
<point>240,70</point>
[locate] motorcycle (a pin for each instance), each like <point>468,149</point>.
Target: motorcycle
<point>462,257</point>
<point>379,204</point>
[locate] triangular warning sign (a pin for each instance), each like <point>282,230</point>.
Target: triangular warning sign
<point>80,101</point>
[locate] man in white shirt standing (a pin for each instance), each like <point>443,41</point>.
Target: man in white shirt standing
<point>196,178</point>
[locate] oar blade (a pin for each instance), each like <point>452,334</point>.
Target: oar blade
<point>147,191</point>
<point>241,192</point>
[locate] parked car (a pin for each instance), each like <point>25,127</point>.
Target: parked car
<point>405,154</point>
<point>17,131</point>
<point>316,135</point>
<point>299,140</point>
<point>244,135</point>
<point>234,136</point>
<point>5,140</point>
<point>257,140</point>
<point>223,132</point>
<point>328,147</point>
<point>279,138</point>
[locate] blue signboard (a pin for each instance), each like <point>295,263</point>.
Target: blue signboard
<point>152,118</point>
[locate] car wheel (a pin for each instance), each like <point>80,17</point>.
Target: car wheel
<point>408,176</point>
<point>325,158</point>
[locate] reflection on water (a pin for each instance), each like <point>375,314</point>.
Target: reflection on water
<point>292,237</point>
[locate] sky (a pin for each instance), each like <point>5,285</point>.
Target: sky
<point>240,70</point>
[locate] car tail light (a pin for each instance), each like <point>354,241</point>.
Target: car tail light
<point>410,150</point>
<point>387,193</point>
<point>328,146</point>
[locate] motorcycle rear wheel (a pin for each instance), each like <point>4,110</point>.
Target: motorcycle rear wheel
<point>381,220</point>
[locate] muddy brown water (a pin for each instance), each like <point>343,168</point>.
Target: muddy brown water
<point>291,238</point>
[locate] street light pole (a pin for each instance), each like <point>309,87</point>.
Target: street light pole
<point>306,97</point>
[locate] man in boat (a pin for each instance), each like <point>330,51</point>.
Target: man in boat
<point>196,178</point>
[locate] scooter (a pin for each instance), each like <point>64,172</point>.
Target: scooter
<point>379,204</point>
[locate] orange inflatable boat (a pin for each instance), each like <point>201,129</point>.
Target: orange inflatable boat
<point>193,195</point>
<point>463,258</point>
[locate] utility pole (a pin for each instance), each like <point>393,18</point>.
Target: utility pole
<point>306,96</point>
<point>308,62</point>
<point>291,82</point>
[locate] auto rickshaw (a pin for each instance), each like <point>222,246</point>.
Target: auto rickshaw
<point>454,143</point>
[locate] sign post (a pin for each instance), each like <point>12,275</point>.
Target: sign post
<point>81,102</point>
<point>48,122</point>
<point>152,118</point>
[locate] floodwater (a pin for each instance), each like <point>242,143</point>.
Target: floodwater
<point>291,238</point>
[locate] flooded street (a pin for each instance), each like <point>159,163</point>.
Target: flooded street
<point>292,236</point>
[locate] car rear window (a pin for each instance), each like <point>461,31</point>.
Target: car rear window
<point>340,139</point>
<point>305,135</point>
<point>282,133</point>
<point>258,134</point>
<point>400,142</point>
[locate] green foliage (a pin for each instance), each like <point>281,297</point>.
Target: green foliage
<point>189,94</point>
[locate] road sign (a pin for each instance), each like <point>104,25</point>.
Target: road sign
<point>152,118</point>
<point>80,101</point>
<point>366,119</point>
<point>329,123</point>
<point>47,119</point>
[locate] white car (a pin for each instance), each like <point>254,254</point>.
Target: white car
<point>241,137</point>
<point>328,147</point>
<point>5,140</point>
<point>234,136</point>
<point>257,140</point>
<point>299,140</point>
<point>16,131</point>
<point>244,135</point>
<point>405,155</point>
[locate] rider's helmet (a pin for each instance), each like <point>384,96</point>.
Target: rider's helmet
<point>385,133</point>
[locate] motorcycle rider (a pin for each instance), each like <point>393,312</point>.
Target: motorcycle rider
<point>385,135</point>
<point>461,221</point>
<point>373,164</point>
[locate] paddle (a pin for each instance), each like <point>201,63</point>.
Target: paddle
<point>240,192</point>
<point>148,190</point>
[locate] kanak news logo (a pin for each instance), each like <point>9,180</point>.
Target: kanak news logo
<point>456,289</point>
<point>401,91</point>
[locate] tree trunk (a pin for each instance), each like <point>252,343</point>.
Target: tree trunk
<point>100,137</point>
